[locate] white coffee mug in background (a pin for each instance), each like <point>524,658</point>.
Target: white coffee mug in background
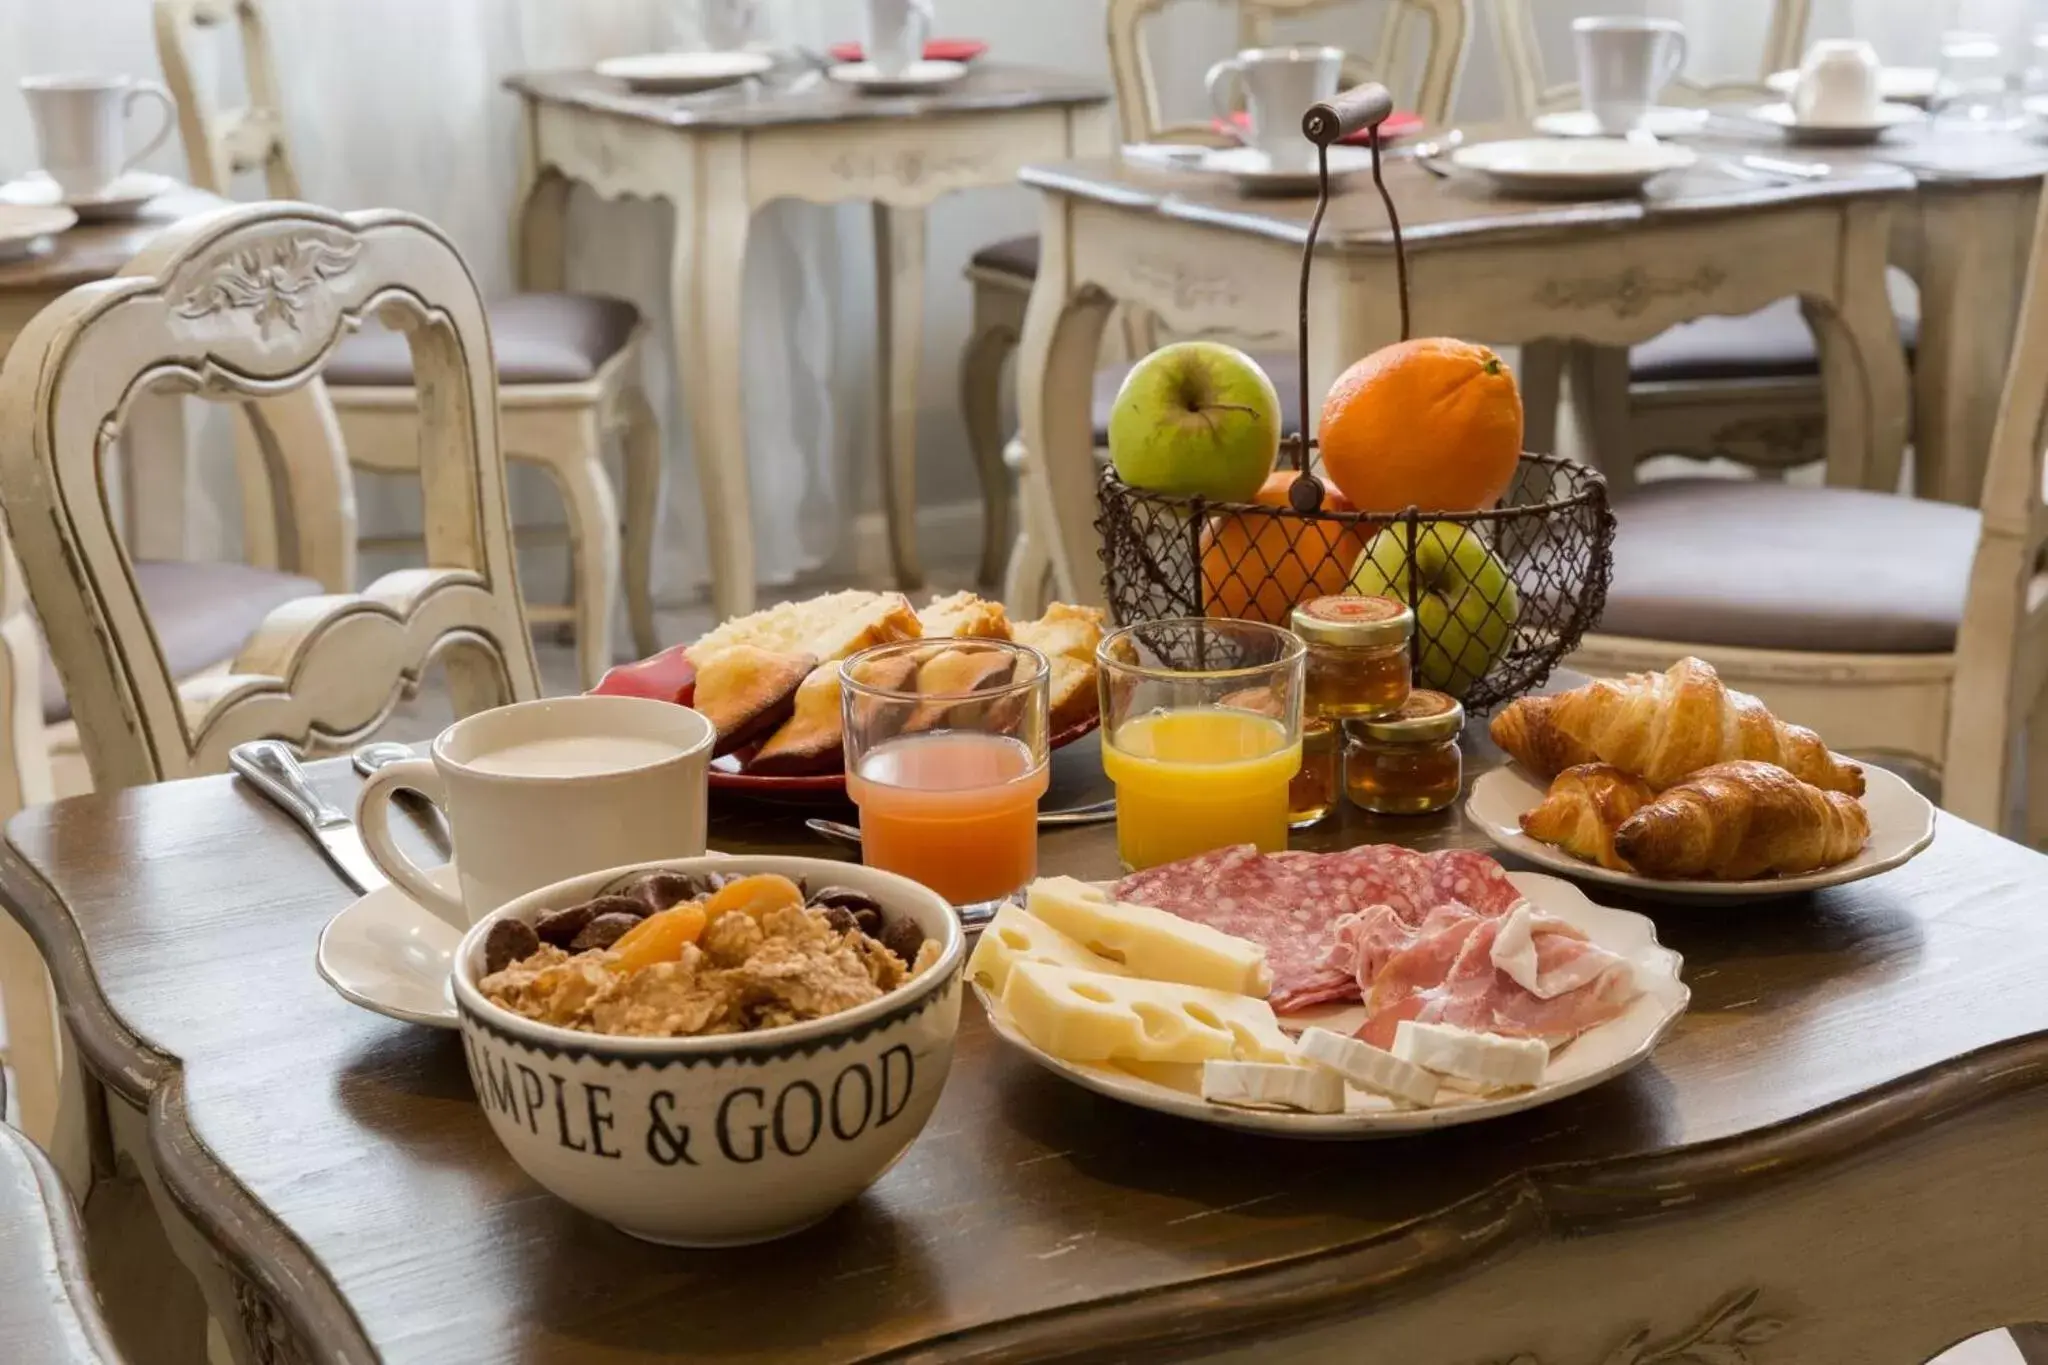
<point>728,24</point>
<point>1625,61</point>
<point>1279,85</point>
<point>81,127</point>
<point>897,30</point>
<point>542,791</point>
<point>1838,83</point>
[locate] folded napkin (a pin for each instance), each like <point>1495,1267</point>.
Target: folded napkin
<point>936,50</point>
<point>1400,123</point>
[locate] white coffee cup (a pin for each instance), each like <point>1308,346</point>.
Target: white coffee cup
<point>728,24</point>
<point>1838,83</point>
<point>1279,84</point>
<point>897,30</point>
<point>541,791</point>
<point>82,127</point>
<point>1625,61</point>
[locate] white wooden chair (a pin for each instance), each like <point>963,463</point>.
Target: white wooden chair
<point>1887,623</point>
<point>1424,75</point>
<point>1741,388</point>
<point>242,304</point>
<point>568,364</point>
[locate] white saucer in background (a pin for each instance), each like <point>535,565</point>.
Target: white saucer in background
<point>1887,117</point>
<point>916,77</point>
<point>1663,121</point>
<point>684,73</point>
<point>1574,167</point>
<point>391,957</point>
<point>22,226</point>
<point>1903,84</point>
<point>1255,173</point>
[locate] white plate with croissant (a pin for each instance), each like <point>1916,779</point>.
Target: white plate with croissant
<point>1677,787</point>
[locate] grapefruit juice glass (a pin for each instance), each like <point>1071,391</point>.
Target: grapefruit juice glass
<point>1201,735</point>
<point>948,779</point>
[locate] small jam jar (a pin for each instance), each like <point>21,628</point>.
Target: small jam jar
<point>1407,763</point>
<point>1357,665</point>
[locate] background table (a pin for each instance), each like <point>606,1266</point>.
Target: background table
<point>1841,1138</point>
<point>1206,258</point>
<point>717,158</point>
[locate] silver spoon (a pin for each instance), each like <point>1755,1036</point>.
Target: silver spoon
<point>382,753</point>
<point>1429,155</point>
<point>1099,813</point>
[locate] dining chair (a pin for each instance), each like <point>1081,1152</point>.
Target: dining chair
<point>1745,388</point>
<point>1001,274</point>
<point>568,366</point>
<point>49,1309</point>
<point>245,303</point>
<point>1890,624</point>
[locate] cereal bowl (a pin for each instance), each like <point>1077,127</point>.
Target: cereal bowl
<point>724,1139</point>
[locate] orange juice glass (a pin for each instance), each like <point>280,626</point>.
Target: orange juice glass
<point>1201,735</point>
<point>947,764</point>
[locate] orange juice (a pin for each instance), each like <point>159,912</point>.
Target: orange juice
<point>1199,778</point>
<point>957,811</point>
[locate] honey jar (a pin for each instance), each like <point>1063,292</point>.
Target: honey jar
<point>1407,763</point>
<point>1357,664</point>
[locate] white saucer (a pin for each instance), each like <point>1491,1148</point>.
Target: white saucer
<point>22,226</point>
<point>391,957</point>
<point>1663,121</point>
<point>684,73</point>
<point>1573,167</point>
<point>1888,117</point>
<point>910,80</point>
<point>1903,84</point>
<point>1255,173</point>
<point>123,199</point>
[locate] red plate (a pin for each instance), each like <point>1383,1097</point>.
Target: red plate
<point>725,774</point>
<point>935,50</point>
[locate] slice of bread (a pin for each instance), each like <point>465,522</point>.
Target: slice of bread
<point>826,628</point>
<point>746,692</point>
<point>963,616</point>
<point>1075,697</point>
<point>1064,631</point>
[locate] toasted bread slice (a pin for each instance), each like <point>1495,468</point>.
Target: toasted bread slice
<point>812,739</point>
<point>964,616</point>
<point>1065,630</point>
<point>746,692</point>
<point>826,628</point>
<point>954,675</point>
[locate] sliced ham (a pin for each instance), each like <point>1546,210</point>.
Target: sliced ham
<point>1451,977</point>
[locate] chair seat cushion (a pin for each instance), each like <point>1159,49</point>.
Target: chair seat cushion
<point>1283,369</point>
<point>1774,343</point>
<point>1013,256</point>
<point>538,339</point>
<point>203,615</point>
<point>1779,566</point>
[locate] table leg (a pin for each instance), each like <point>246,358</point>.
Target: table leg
<point>1972,252</point>
<point>153,484</point>
<point>706,270</point>
<point>539,224</point>
<point>1055,380</point>
<point>899,316</point>
<point>1864,381</point>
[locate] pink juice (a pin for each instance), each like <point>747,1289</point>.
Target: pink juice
<point>957,811</point>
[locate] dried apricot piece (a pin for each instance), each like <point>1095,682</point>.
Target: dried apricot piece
<point>755,896</point>
<point>658,938</point>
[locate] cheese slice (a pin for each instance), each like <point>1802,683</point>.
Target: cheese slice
<point>1015,936</point>
<point>1371,1069</point>
<point>1154,944</point>
<point>1082,1016</point>
<point>1486,1059</point>
<point>1273,1085</point>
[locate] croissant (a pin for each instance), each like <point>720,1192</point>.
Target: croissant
<point>1663,727</point>
<point>1735,821</point>
<point>1586,804</point>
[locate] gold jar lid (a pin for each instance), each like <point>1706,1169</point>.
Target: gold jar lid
<point>1354,621</point>
<point>1425,718</point>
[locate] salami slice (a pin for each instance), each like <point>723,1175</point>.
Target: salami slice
<point>1473,879</point>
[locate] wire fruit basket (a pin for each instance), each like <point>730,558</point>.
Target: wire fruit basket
<point>1500,596</point>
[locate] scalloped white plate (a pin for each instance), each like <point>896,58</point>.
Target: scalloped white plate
<point>1901,825</point>
<point>1599,1054</point>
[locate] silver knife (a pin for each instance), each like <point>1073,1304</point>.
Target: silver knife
<point>272,768</point>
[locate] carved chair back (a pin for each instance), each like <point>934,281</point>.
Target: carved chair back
<point>1530,93</point>
<point>1390,61</point>
<point>248,303</point>
<point>221,144</point>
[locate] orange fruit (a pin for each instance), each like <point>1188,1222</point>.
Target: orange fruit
<point>1258,568</point>
<point>1434,423</point>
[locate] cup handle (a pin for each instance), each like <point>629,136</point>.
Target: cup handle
<point>373,819</point>
<point>1217,83</point>
<point>151,90</point>
<point>1679,52</point>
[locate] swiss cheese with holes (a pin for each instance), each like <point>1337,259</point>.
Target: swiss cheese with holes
<point>1015,936</point>
<point>1155,944</point>
<point>1084,1016</point>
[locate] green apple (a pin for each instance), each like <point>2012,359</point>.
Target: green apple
<point>1197,418</point>
<point>1465,601</point>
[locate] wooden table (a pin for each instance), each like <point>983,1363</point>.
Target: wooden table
<point>154,451</point>
<point>717,158</point>
<point>1837,1149</point>
<point>1205,257</point>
